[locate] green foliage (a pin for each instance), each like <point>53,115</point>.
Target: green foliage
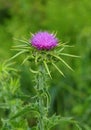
<point>19,111</point>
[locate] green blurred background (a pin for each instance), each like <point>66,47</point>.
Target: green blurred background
<point>71,19</point>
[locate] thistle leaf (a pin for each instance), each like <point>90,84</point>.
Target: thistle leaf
<point>70,55</point>
<point>63,61</point>
<point>27,109</point>
<point>60,50</point>
<point>22,41</point>
<point>46,66</point>
<point>20,46</point>
<point>33,71</point>
<point>58,69</point>
<point>31,34</point>
<point>78,127</point>
<point>17,49</point>
<point>19,53</point>
<point>8,64</point>
<point>64,45</point>
<point>25,59</point>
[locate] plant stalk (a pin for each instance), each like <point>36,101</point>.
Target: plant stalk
<point>42,97</point>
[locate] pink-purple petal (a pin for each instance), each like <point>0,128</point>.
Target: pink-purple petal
<point>44,41</point>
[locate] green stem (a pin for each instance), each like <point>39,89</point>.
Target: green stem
<point>43,97</point>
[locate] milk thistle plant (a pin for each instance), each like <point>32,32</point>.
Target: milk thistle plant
<point>43,49</point>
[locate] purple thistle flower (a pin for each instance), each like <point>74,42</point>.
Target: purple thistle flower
<point>44,41</point>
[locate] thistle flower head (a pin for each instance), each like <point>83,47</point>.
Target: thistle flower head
<point>44,41</point>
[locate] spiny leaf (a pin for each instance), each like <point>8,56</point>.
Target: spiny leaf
<point>25,110</point>
<point>58,69</point>
<point>78,127</point>
<point>17,49</point>
<point>68,46</point>
<point>61,49</point>
<point>7,64</point>
<point>46,66</point>
<point>71,120</point>
<point>25,59</point>
<point>20,46</point>
<point>67,119</point>
<point>22,41</point>
<point>70,55</point>
<point>13,69</point>
<point>54,33</point>
<point>62,61</point>
<point>21,52</point>
<point>64,45</point>
<point>31,34</point>
<point>33,71</point>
